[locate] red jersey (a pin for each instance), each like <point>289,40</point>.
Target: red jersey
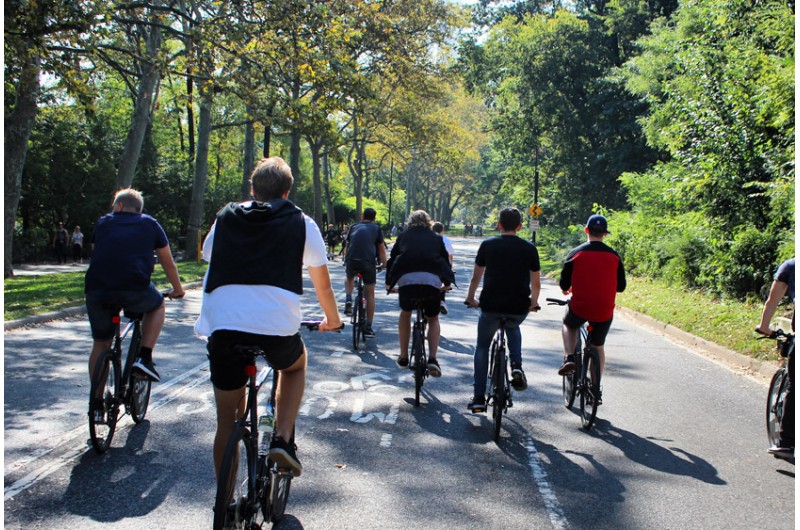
<point>596,274</point>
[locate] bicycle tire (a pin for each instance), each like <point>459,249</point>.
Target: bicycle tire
<point>420,364</point>
<point>356,324</point>
<point>569,382</point>
<point>235,504</point>
<point>140,387</point>
<point>500,392</point>
<point>106,373</point>
<point>775,398</point>
<point>590,373</point>
<point>279,485</point>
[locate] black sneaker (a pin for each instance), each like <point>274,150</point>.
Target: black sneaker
<point>402,362</point>
<point>518,379</point>
<point>369,333</point>
<point>433,368</point>
<point>285,455</point>
<point>477,405</point>
<point>569,365</point>
<point>598,396</point>
<point>348,308</point>
<point>148,368</point>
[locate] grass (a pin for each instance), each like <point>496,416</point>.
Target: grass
<point>32,295</point>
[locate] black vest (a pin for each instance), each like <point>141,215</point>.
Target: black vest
<point>260,243</point>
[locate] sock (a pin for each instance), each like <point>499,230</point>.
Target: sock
<point>146,354</point>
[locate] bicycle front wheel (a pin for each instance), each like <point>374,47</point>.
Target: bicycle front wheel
<point>140,396</point>
<point>420,363</point>
<point>590,386</point>
<point>500,391</point>
<point>569,382</point>
<point>775,400</point>
<point>236,504</point>
<point>104,401</point>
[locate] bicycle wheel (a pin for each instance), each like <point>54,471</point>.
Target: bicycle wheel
<point>590,382</point>
<point>569,382</point>
<point>499,382</point>
<point>103,413</point>
<point>357,321</point>
<point>420,363</point>
<point>279,485</point>
<point>236,504</point>
<point>140,396</point>
<point>775,399</point>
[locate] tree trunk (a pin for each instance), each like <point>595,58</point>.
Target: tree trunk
<point>197,206</point>
<point>146,91</point>
<point>294,158</point>
<point>249,155</point>
<point>18,126</point>
<point>326,185</point>
<point>317,177</point>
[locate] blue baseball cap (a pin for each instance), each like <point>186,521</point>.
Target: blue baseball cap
<point>597,223</point>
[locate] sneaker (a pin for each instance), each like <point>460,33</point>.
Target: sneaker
<point>443,308</point>
<point>598,396</point>
<point>285,455</point>
<point>348,308</point>
<point>369,333</point>
<point>477,405</point>
<point>569,365</point>
<point>402,362</point>
<point>518,379</point>
<point>433,368</point>
<point>148,368</point>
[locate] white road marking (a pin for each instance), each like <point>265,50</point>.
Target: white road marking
<point>551,503</point>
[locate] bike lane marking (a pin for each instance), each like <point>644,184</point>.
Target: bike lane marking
<point>551,504</point>
<point>46,468</point>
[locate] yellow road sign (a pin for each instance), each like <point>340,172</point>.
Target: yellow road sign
<point>535,210</point>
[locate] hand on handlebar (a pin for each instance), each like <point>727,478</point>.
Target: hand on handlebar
<point>173,293</point>
<point>471,302</point>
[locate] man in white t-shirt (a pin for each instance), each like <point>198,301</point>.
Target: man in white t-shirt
<point>439,229</point>
<point>256,251</point>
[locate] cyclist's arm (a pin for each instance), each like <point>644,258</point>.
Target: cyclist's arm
<point>776,293</point>
<point>171,270</point>
<point>321,279</point>
<point>474,282</point>
<point>536,287</point>
<point>382,254</point>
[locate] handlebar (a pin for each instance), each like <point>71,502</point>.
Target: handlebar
<point>776,334</point>
<point>313,325</point>
<point>556,301</point>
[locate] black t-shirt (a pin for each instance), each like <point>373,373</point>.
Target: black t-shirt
<point>508,262</point>
<point>363,240</point>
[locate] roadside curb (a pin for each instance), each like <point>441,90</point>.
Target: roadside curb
<point>734,360</point>
<point>62,313</point>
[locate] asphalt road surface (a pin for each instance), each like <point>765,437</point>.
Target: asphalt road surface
<point>679,442</point>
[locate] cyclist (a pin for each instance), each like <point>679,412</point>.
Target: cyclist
<point>419,264</point>
<point>439,229</point>
<point>509,267</point>
<point>782,285</point>
<point>119,276</point>
<point>364,245</point>
<point>251,295</point>
<point>593,272</point>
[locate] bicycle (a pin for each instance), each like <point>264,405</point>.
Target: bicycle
<point>779,385</point>
<point>585,380</point>
<point>498,392</point>
<point>359,317</point>
<point>252,490</point>
<point>130,388</point>
<point>418,355</point>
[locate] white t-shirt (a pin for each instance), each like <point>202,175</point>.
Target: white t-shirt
<point>448,245</point>
<point>259,309</point>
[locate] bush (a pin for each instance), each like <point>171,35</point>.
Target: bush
<point>748,264</point>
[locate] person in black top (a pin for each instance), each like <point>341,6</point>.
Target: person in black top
<point>509,268</point>
<point>419,265</point>
<point>364,246</point>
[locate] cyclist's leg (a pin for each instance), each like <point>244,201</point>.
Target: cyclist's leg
<point>487,325</point>
<point>569,335</point>
<point>369,274</point>
<point>514,338</point>
<point>431,309</point>
<point>100,316</point>
<point>404,330</point>
<point>229,403</point>
<point>599,333</point>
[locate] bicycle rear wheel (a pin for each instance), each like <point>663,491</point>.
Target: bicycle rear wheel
<point>569,382</point>
<point>236,504</point>
<point>358,318</point>
<point>140,396</point>
<point>103,411</point>
<point>775,399</point>
<point>500,398</point>
<point>419,360</point>
<point>590,384</point>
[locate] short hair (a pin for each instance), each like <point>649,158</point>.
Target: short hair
<point>369,214</point>
<point>419,218</point>
<point>510,219</point>
<point>438,227</point>
<point>130,199</point>
<point>271,179</point>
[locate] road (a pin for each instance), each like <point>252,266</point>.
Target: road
<point>679,442</point>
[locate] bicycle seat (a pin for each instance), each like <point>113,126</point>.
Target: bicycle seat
<point>132,315</point>
<point>248,349</point>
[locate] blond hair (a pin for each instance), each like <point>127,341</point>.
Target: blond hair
<point>419,218</point>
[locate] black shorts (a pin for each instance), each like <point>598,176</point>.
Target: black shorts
<point>367,270</point>
<point>227,365</point>
<point>430,296</point>
<point>102,306</point>
<point>599,329</point>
